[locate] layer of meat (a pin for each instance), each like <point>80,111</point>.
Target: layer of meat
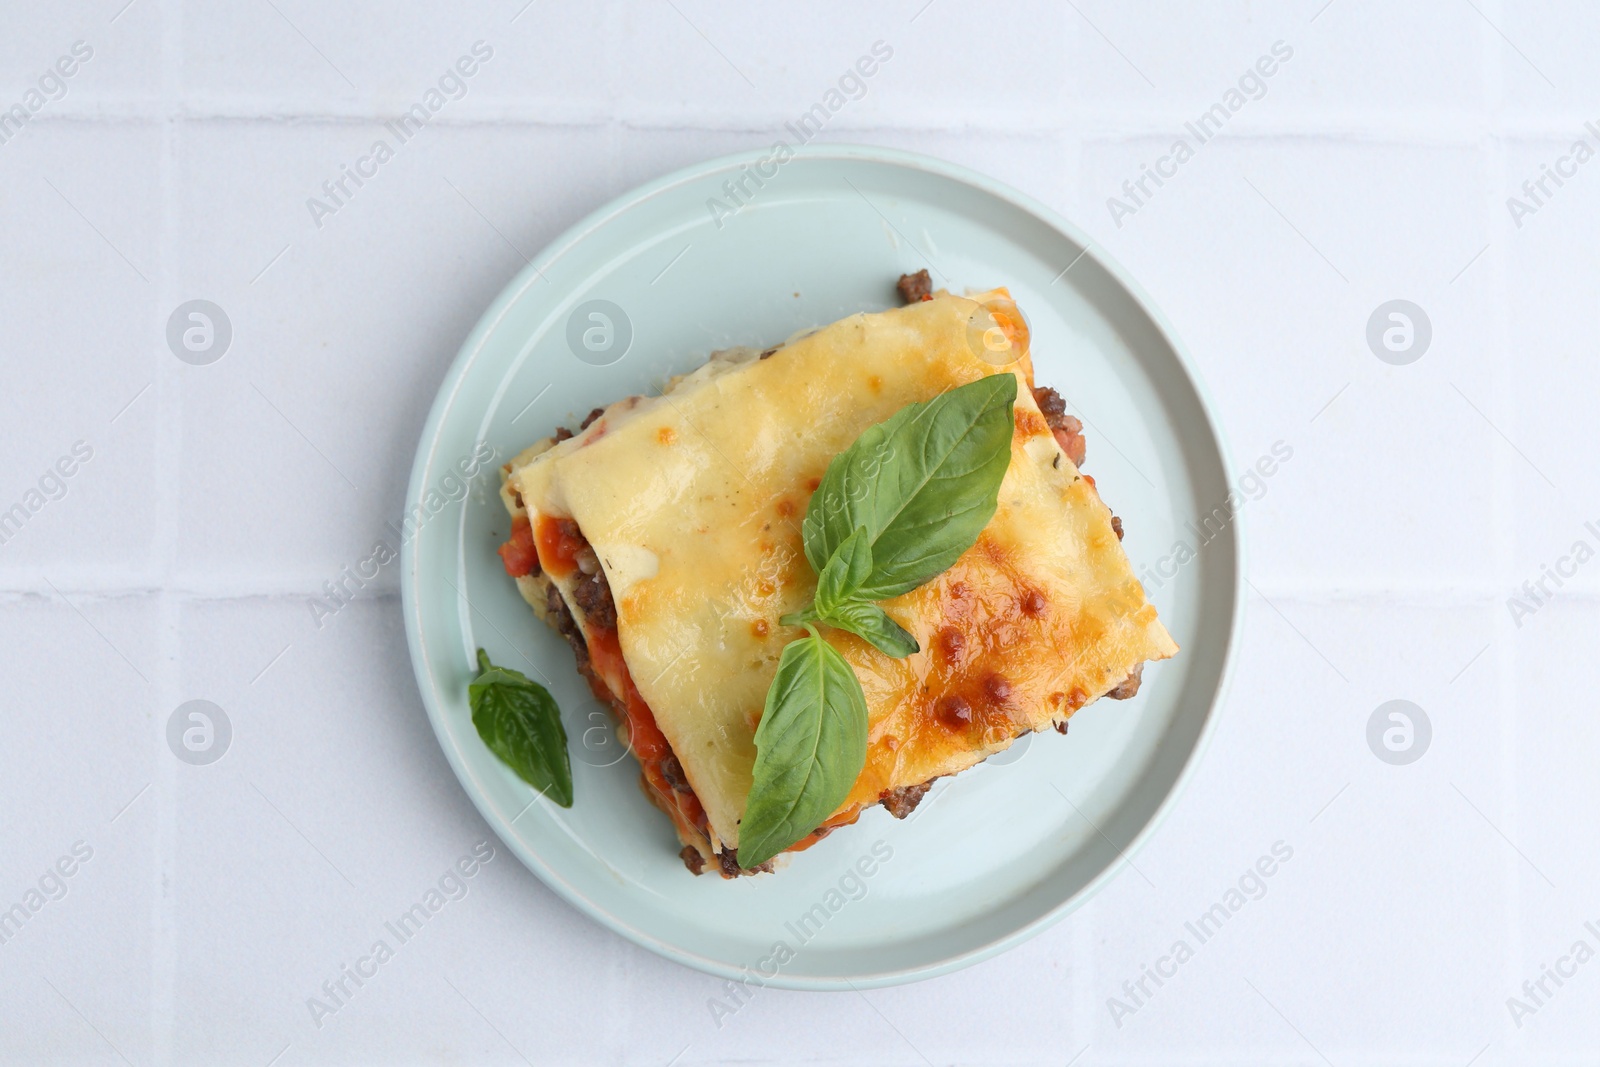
<point>560,617</point>
<point>915,287</point>
<point>1129,686</point>
<point>593,595</point>
<point>903,801</point>
<point>1068,430</point>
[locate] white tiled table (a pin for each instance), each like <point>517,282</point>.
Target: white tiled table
<point>178,561</point>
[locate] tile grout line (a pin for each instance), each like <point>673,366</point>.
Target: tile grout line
<point>1504,501</point>
<point>169,405</point>
<point>1114,122</point>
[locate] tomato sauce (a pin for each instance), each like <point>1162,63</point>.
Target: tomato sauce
<point>648,742</point>
<point>559,542</point>
<point>518,554</point>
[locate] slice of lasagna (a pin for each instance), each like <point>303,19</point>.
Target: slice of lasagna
<point>663,541</point>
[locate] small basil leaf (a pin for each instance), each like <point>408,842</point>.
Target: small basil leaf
<point>846,569</point>
<point>923,483</point>
<point>810,746</point>
<point>873,625</point>
<point>519,720</point>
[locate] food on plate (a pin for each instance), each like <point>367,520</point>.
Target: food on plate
<point>814,579</point>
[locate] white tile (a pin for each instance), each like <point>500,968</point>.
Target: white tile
<point>1552,789</point>
<point>1270,280</point>
<point>104,57</point>
<point>81,787</point>
<point>304,828</point>
<point>79,296</point>
<point>1351,55</point>
<point>1536,55</point>
<point>316,57</point>
<point>1290,763</point>
<point>1385,57</point>
<point>1547,269</point>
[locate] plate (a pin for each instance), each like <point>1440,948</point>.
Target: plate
<point>747,250</point>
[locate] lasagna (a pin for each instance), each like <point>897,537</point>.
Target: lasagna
<point>662,539</point>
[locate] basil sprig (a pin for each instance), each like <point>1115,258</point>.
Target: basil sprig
<point>519,720</point>
<point>893,512</point>
<point>901,504</point>
<point>838,600</point>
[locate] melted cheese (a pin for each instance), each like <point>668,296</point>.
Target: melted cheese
<point>693,503</point>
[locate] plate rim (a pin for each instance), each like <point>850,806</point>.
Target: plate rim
<point>443,401</point>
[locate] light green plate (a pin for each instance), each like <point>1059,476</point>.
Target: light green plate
<point>993,855</point>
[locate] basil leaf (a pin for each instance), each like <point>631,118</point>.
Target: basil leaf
<point>519,720</point>
<point>923,484</point>
<point>873,625</point>
<point>848,567</point>
<point>810,747</point>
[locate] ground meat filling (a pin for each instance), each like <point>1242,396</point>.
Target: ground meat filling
<point>728,860</point>
<point>1129,685</point>
<point>672,771</point>
<point>564,434</point>
<point>915,287</point>
<point>593,595</point>
<point>904,800</point>
<point>567,627</point>
<point>1068,430</point>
